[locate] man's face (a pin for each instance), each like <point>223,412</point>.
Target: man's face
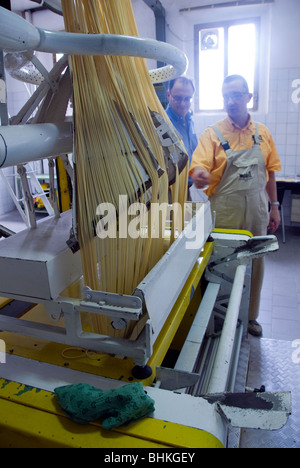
<point>180,98</point>
<point>236,99</point>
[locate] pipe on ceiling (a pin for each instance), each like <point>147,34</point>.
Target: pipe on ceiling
<point>235,3</point>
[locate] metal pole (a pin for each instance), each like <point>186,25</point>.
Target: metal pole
<point>219,378</point>
<point>24,143</point>
<point>3,93</point>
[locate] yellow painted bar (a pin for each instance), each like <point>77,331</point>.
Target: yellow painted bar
<point>165,338</point>
<point>234,232</point>
<point>4,301</point>
<point>63,186</point>
<point>31,418</point>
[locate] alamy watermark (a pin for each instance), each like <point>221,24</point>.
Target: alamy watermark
<point>2,352</point>
<point>296,92</point>
<point>296,353</point>
<point>136,221</point>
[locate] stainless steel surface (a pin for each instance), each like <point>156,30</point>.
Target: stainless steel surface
<point>272,364</point>
<point>191,348</point>
<point>173,269</point>
<point>37,263</point>
<point>24,143</point>
<point>219,378</point>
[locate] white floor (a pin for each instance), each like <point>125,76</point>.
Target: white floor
<point>280,302</point>
<point>271,364</point>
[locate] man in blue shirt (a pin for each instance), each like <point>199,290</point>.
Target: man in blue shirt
<point>180,95</point>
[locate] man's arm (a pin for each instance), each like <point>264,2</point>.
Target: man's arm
<point>201,177</point>
<point>271,188</point>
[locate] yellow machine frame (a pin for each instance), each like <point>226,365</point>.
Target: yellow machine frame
<point>49,427</point>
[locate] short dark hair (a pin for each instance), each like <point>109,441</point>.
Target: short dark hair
<point>231,78</point>
<point>184,80</point>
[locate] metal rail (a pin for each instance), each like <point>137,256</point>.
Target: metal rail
<point>219,377</point>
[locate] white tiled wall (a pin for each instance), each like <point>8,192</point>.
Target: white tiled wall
<point>283,118</point>
<point>283,121</point>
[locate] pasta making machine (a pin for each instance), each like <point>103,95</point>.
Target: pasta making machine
<point>194,302</point>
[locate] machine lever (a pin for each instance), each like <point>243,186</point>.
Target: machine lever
<point>253,248</point>
<point>269,411</point>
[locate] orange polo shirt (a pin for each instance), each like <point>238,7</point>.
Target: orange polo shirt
<point>210,154</point>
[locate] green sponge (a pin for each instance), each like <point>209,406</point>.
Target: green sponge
<point>83,404</point>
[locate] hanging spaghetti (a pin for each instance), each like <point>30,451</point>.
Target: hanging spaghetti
<point>119,159</point>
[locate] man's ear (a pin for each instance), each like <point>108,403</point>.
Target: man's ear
<point>250,97</point>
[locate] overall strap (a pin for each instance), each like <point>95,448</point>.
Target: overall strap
<point>256,136</point>
<point>223,142</point>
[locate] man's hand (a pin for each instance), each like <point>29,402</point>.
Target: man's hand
<point>201,177</point>
<point>275,219</point>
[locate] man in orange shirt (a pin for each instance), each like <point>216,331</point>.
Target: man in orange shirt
<point>236,160</point>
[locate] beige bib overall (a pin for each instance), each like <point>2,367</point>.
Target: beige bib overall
<point>241,202</point>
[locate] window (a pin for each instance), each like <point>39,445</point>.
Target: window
<point>223,49</point>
